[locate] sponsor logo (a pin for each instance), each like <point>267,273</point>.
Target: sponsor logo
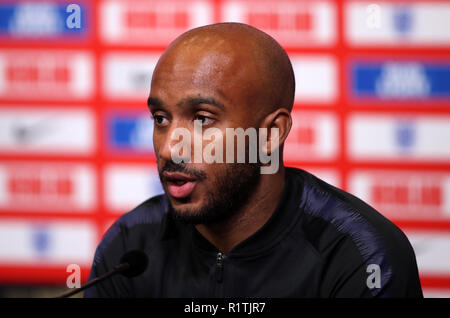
<point>401,80</point>
<point>292,23</point>
<point>41,240</point>
<point>403,19</point>
<point>130,133</point>
<point>47,131</point>
<point>42,20</point>
<point>138,22</point>
<point>405,135</point>
<point>129,185</point>
<point>313,136</point>
<point>53,242</point>
<point>315,78</point>
<point>404,195</point>
<point>39,74</point>
<point>420,23</point>
<point>128,76</point>
<point>407,80</point>
<point>399,137</point>
<point>45,187</point>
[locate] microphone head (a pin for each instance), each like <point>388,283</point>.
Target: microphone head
<point>138,262</point>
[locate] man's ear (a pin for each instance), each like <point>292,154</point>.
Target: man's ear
<point>281,119</point>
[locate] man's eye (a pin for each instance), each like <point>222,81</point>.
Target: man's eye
<point>160,120</point>
<point>204,120</point>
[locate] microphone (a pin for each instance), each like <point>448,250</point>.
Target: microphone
<point>132,263</point>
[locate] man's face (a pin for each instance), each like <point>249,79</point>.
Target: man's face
<point>210,88</point>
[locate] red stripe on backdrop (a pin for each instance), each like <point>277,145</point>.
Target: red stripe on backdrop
<point>99,106</point>
<point>422,225</point>
<point>431,281</point>
<point>343,165</point>
<point>54,275</point>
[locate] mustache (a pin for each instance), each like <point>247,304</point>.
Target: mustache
<point>170,166</point>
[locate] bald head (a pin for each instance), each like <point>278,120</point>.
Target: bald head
<point>242,63</point>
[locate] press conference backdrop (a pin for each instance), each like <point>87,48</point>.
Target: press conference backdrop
<point>371,115</point>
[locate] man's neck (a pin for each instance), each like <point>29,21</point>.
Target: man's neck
<point>250,218</point>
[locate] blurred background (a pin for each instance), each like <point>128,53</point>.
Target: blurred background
<point>371,116</point>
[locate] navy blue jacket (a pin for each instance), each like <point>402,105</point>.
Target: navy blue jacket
<point>320,242</point>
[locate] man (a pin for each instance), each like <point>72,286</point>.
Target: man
<point>224,229</point>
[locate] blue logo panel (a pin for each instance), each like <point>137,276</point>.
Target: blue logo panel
<point>43,20</point>
<point>401,80</point>
<point>130,133</point>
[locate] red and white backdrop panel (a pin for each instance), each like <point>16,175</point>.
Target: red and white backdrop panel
<point>371,116</point>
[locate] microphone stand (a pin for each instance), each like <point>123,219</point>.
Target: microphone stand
<point>117,269</point>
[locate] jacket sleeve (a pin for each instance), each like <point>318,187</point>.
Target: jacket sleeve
<point>394,276</point>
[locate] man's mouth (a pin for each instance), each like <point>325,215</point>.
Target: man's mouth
<point>179,184</point>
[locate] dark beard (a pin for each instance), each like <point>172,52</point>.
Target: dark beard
<point>231,191</point>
